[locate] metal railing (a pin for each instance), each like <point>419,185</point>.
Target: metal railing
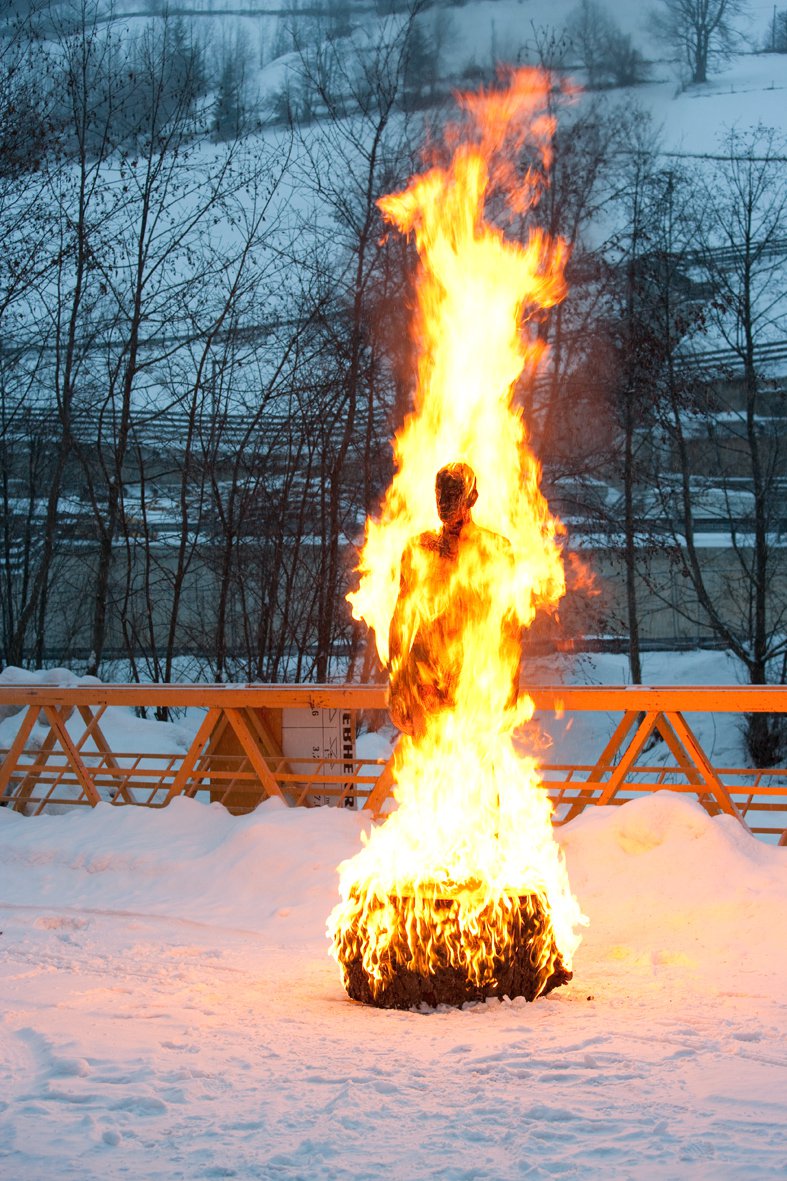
<point>61,754</point>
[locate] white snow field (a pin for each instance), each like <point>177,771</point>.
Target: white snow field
<point>169,1010</point>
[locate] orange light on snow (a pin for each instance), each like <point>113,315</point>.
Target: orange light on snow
<point>472,830</point>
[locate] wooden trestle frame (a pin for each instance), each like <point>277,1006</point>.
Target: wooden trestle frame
<point>60,754</point>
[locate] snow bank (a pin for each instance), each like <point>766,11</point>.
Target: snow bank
<point>660,880</point>
<point>272,871</point>
<point>168,1010</point>
<point>664,883</point>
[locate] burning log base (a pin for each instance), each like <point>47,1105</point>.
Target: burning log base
<point>530,964</point>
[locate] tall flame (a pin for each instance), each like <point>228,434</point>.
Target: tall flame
<point>473,822</point>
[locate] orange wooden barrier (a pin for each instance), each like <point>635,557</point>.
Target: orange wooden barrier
<point>61,755</point>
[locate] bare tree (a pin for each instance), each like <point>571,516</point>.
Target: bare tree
<point>651,319</point>
<point>584,177</point>
<point>231,114</point>
<point>361,148</point>
<point>776,40</point>
<point>154,253</point>
<point>779,32</point>
<point>700,32</point>
<point>64,301</point>
<point>602,48</point>
<point>745,602</point>
<point>158,275</point>
<point>208,384</point>
<point>26,445</point>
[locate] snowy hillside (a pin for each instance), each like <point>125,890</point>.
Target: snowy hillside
<point>469,40</point>
<point>473,38</point>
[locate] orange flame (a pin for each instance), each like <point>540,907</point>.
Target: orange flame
<point>447,604</point>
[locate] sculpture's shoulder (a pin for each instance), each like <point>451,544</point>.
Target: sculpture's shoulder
<point>488,542</point>
<point>419,550</point>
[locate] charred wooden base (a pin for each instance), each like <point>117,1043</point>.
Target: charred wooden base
<point>532,967</point>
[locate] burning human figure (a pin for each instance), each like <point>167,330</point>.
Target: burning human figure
<point>465,878</point>
<point>443,594</point>
<point>463,893</point>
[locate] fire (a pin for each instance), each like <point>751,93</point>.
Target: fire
<point>467,867</point>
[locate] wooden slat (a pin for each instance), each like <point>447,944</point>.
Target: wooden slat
<point>58,723</point>
<point>686,763</point>
<point>93,730</point>
<point>629,758</point>
<point>35,771</point>
<point>193,753</point>
<point>241,727</point>
<point>617,699</point>
<point>382,789</point>
<point>17,746</point>
<point>271,747</point>
<point>604,764</point>
<point>353,697</point>
<point>606,759</point>
<point>701,761</point>
<point>258,766</point>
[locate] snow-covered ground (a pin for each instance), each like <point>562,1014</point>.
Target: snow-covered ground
<point>169,1009</point>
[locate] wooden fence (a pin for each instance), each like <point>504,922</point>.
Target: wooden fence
<point>61,753</point>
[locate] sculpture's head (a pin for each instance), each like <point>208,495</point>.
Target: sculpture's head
<point>456,492</point>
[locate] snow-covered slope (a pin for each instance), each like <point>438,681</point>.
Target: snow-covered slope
<point>747,90</point>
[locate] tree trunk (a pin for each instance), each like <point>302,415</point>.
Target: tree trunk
<point>630,551</point>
